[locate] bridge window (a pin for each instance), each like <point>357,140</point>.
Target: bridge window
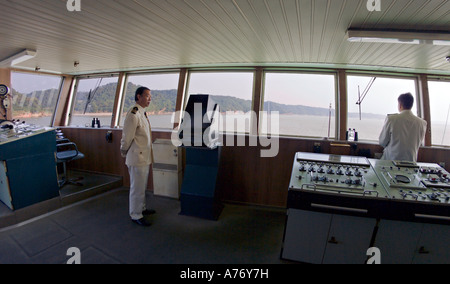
<point>440,112</point>
<point>34,97</point>
<point>306,104</point>
<point>164,88</point>
<point>94,99</point>
<point>233,91</point>
<point>371,99</point>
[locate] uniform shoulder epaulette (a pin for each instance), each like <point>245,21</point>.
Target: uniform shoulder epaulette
<point>135,110</point>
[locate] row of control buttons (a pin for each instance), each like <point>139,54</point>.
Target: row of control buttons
<point>331,169</point>
<point>325,179</point>
<point>436,195</point>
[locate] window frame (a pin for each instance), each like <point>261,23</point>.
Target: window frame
<point>61,83</point>
<point>74,91</point>
<point>123,91</point>
<point>302,71</point>
<point>443,79</point>
<point>216,71</point>
<point>415,77</point>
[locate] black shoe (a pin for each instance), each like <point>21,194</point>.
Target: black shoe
<point>142,222</point>
<point>148,212</point>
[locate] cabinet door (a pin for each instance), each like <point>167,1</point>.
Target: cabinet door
<point>5,192</point>
<point>165,183</point>
<point>434,245</point>
<point>397,241</point>
<point>306,236</point>
<point>165,152</point>
<point>348,240</point>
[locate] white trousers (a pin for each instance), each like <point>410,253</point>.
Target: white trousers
<point>138,187</point>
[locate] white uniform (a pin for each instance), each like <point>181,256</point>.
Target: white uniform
<point>402,135</point>
<point>136,146</point>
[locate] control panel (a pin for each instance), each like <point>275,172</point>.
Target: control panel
<point>419,182</point>
<point>337,175</point>
<point>14,130</point>
<point>370,178</point>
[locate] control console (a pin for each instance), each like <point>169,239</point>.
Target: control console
<point>394,190</point>
<point>336,175</point>
<point>417,182</point>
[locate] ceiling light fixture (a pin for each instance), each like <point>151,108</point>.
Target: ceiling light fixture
<point>17,58</point>
<point>399,36</point>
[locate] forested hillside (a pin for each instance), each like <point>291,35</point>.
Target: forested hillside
<point>163,101</point>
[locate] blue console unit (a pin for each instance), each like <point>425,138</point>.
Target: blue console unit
<point>28,169</point>
<point>198,192</point>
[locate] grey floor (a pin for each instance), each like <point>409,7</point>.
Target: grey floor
<point>92,185</point>
<point>101,228</point>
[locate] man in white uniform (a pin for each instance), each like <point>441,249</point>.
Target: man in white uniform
<point>403,133</point>
<point>136,146</point>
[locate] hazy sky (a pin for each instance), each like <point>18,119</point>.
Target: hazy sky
<point>26,83</point>
<point>439,100</point>
<point>239,85</point>
<point>382,96</point>
<point>300,89</point>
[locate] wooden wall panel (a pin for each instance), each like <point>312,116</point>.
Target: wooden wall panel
<point>244,176</point>
<point>101,156</point>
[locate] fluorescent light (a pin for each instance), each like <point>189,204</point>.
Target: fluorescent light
<point>20,57</point>
<point>399,36</point>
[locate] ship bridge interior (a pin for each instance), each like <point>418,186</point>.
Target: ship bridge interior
<point>328,68</point>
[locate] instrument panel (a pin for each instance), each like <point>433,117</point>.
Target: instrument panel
<point>336,175</point>
<point>13,130</point>
<point>370,178</point>
<point>420,182</point>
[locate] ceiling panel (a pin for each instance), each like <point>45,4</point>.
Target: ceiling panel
<point>111,35</point>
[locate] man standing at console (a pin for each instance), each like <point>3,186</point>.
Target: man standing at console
<point>136,146</point>
<point>403,133</point>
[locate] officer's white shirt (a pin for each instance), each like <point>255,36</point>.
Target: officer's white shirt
<point>402,135</point>
<point>136,143</point>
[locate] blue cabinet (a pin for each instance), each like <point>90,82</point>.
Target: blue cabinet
<point>198,192</point>
<point>28,170</point>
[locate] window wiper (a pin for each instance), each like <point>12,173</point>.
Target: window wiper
<point>446,124</point>
<point>362,96</point>
<point>92,95</point>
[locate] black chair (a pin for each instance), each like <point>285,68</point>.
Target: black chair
<point>67,151</point>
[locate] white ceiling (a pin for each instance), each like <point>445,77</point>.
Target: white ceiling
<point>110,35</point>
